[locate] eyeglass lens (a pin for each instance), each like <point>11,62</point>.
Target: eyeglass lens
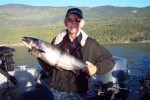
<point>77,20</point>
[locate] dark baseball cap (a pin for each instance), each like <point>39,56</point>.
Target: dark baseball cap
<point>74,11</point>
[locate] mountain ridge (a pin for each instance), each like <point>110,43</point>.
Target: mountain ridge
<point>17,15</point>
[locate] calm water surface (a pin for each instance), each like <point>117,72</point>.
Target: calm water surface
<point>137,54</point>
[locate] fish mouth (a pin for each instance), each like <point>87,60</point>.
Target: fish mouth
<point>23,39</point>
<point>26,42</point>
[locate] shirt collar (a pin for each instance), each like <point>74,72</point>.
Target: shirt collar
<point>60,36</point>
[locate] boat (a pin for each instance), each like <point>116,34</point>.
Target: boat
<point>14,82</point>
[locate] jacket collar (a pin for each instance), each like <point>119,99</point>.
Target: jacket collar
<point>60,36</point>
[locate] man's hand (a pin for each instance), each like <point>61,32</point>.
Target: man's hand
<point>34,52</point>
<point>90,69</point>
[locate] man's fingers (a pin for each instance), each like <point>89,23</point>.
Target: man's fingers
<point>90,69</point>
<point>34,52</point>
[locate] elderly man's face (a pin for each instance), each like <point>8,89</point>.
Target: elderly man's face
<point>73,23</point>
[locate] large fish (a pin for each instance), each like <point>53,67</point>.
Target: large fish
<point>53,55</point>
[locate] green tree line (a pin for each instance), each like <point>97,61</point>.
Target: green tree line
<point>108,31</point>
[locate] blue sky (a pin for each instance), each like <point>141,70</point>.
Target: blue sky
<point>79,3</point>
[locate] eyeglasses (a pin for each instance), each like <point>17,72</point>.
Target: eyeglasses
<point>77,20</point>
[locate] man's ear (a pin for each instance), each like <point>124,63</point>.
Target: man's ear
<point>65,22</point>
<point>82,23</point>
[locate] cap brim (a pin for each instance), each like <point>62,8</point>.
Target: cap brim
<point>74,12</point>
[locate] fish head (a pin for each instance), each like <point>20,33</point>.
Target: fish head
<point>34,44</point>
<point>31,42</point>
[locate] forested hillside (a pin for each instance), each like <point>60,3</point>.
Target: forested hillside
<point>106,24</point>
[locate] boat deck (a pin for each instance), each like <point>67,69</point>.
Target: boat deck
<point>26,79</point>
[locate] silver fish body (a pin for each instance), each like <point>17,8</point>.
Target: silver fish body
<point>53,55</point>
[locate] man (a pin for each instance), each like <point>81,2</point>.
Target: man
<point>66,85</point>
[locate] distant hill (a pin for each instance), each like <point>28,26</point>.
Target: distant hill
<point>25,15</point>
<point>107,24</point>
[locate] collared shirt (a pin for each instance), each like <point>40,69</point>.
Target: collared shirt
<point>70,46</point>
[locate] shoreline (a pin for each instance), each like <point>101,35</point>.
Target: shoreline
<point>17,44</point>
<point>125,42</point>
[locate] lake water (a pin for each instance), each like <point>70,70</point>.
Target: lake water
<point>137,55</point>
